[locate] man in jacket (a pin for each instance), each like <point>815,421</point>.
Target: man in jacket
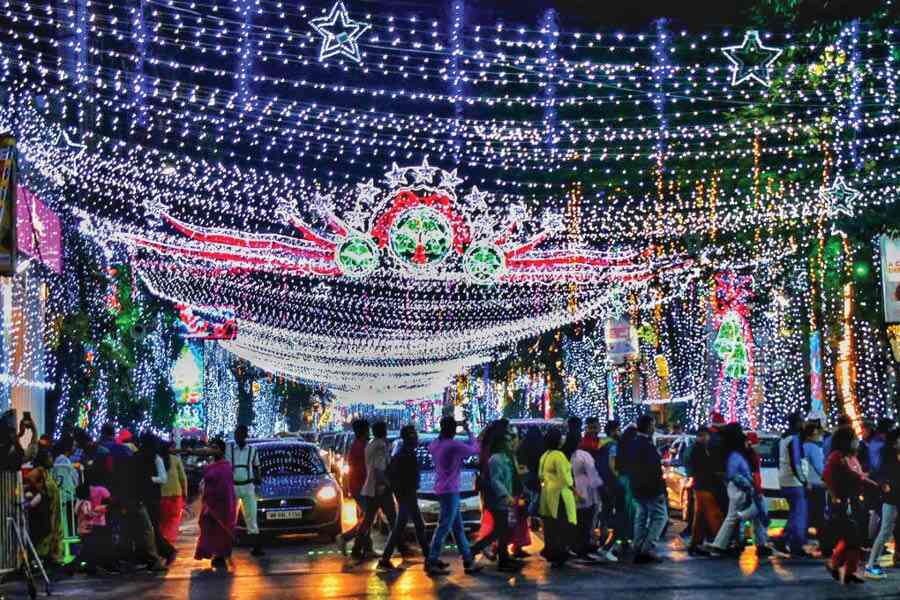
<point>375,490</point>
<point>403,476</point>
<point>649,489</point>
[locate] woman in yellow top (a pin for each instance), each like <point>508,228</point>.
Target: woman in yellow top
<point>173,496</point>
<point>557,503</point>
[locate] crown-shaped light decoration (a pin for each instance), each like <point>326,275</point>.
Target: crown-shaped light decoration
<point>420,224</point>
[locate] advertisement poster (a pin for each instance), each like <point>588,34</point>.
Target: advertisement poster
<point>815,371</point>
<point>621,341</point>
<point>38,232</point>
<point>7,205</point>
<point>187,383</point>
<point>890,278</point>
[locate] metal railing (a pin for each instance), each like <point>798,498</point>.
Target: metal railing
<point>10,497</point>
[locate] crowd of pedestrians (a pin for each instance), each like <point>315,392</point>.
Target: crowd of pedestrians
<point>596,498</point>
<point>601,498</point>
<point>121,498</point>
<point>593,497</point>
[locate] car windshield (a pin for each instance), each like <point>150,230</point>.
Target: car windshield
<point>423,457</point>
<point>289,460</point>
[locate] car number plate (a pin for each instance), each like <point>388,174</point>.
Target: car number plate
<point>284,514</point>
<point>779,504</point>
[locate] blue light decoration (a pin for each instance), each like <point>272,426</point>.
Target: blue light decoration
<point>265,409</point>
<point>751,60</point>
<point>550,31</point>
<point>220,390</point>
<point>138,84</point>
<point>661,73</point>
<point>245,53</point>
<point>457,21</point>
<point>340,34</point>
<point>187,384</point>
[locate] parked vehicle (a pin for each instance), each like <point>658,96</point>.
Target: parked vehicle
<point>297,493</point>
<point>679,485</point>
<point>523,425</point>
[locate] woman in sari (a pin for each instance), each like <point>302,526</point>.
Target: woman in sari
<point>219,510</point>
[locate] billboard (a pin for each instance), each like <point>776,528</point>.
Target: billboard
<point>38,232</point>
<point>187,383</point>
<point>7,205</point>
<point>890,278</point>
<point>621,340</point>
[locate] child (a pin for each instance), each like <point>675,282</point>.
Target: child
<point>96,538</point>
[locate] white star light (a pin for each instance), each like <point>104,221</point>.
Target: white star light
<point>477,200</point>
<point>366,192</point>
<point>356,218</point>
<point>840,197</point>
<point>517,213</point>
<point>64,138</point>
<point>396,177</point>
<point>424,173</point>
<point>339,34</point>
<point>155,210</point>
<point>285,210</point>
<point>751,60</point>
<point>449,180</point>
<point>322,204</point>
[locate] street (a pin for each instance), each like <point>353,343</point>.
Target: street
<point>307,568</point>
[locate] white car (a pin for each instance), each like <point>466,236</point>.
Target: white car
<point>679,486</point>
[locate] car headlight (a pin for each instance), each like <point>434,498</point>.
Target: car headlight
<point>470,504</point>
<point>327,493</point>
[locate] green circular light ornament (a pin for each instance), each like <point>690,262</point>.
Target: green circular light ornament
<point>484,263</point>
<point>356,256</point>
<point>421,237</point>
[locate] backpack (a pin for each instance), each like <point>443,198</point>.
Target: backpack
<point>601,459</point>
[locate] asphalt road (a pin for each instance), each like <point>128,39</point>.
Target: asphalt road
<point>305,568</point>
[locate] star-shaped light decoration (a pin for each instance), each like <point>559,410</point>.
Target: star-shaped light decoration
<point>840,197</point>
<point>356,218</point>
<point>154,209</point>
<point>449,180</point>
<point>517,213</point>
<point>396,177</point>
<point>553,221</point>
<point>477,200</point>
<point>366,192</point>
<point>751,60</point>
<point>483,227</point>
<point>66,167</point>
<point>322,291</point>
<point>340,35</point>
<point>322,204</point>
<point>284,210</point>
<point>63,137</point>
<point>424,173</point>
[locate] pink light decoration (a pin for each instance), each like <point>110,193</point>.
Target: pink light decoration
<point>38,231</point>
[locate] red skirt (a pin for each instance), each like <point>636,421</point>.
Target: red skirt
<point>170,511</point>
